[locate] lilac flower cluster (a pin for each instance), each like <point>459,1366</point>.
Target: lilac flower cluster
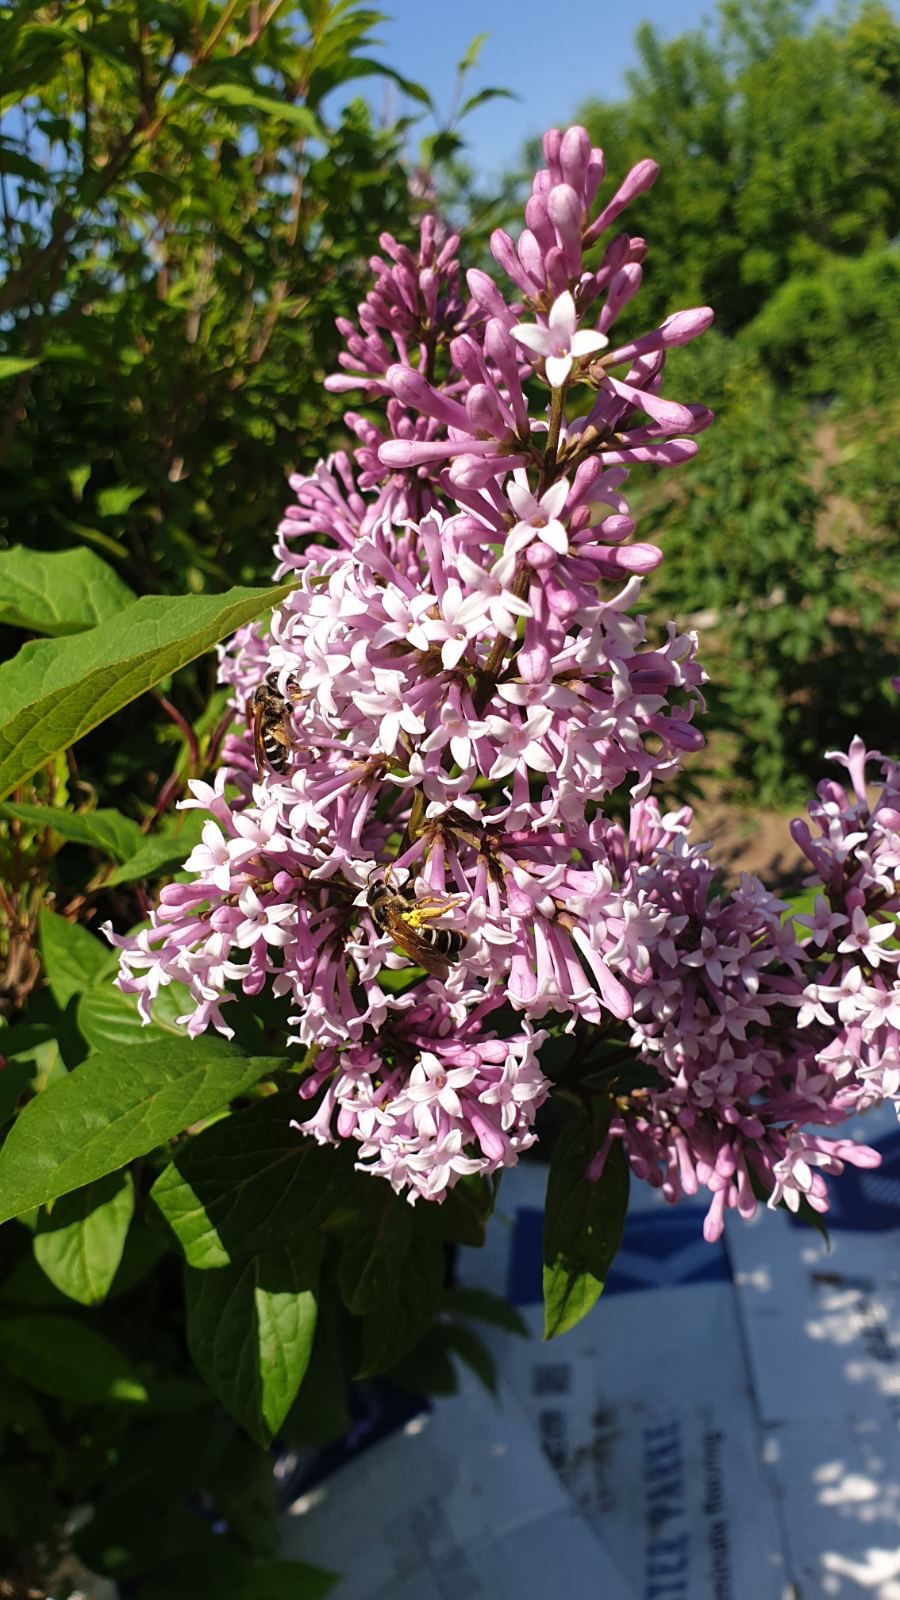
<point>460,682</point>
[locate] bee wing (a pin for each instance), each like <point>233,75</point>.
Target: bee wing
<point>281,733</point>
<point>405,939</point>
<point>258,747</point>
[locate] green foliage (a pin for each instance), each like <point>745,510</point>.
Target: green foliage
<point>79,1240</point>
<point>58,593</point>
<point>583,1222</point>
<point>246,1183</point>
<point>778,148</point>
<point>191,198</point>
<point>792,605</point>
<point>55,690</point>
<point>833,331</point>
<point>250,1331</point>
<point>112,1109</point>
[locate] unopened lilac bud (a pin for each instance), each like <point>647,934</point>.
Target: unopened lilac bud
<point>446,261</point>
<point>414,390</point>
<point>683,326</point>
<point>668,453</point>
<point>565,212</point>
<point>467,359</point>
<point>540,556</point>
<point>484,410</point>
<point>485,293</point>
<point>641,178</point>
<point>666,412</point>
<point>475,472</point>
<point>640,558</point>
<point>427,236</point>
<point>428,288</point>
<point>616,528</point>
<point>623,287</point>
<point>594,176</point>
<point>574,156</point>
<point>552,143</point>
<point>557,270</point>
<point>504,252</point>
<point>538,220</point>
<point>531,255</point>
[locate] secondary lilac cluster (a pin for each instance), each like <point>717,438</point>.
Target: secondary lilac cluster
<point>730,1011</point>
<point>463,683</point>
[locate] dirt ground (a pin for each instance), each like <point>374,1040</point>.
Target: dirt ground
<point>751,841</point>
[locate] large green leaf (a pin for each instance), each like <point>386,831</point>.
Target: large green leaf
<point>373,1259</point>
<point>115,1107</point>
<point>250,1331</point>
<point>583,1224</point>
<point>56,690</point>
<point>56,592</point>
<point>106,830</point>
<point>73,958</point>
<point>160,854</point>
<point>398,1322</point>
<point>60,1356</point>
<point>80,1238</point>
<point>109,1019</point>
<point>247,1181</point>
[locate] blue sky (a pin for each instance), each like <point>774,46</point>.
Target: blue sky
<point>553,53</point>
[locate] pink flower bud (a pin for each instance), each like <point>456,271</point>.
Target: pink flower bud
<point>484,410</point>
<point>641,178</point>
<point>504,252</point>
<point>574,157</point>
<point>485,293</point>
<point>565,211</point>
<point>531,255</point>
<point>414,390</point>
<point>552,143</point>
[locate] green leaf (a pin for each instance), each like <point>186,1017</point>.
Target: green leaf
<point>246,1182</point>
<point>11,366</point>
<point>283,1580</point>
<point>474,1352</point>
<point>105,830</point>
<point>112,1108</point>
<point>583,1224</point>
<point>373,1260</point>
<point>58,1355</point>
<point>397,1323</point>
<point>58,592</point>
<point>15,1077</point>
<point>473,51</point>
<point>80,1238</point>
<point>73,958</point>
<point>107,1018</point>
<point>250,1331</point>
<point>116,501</point>
<point>482,97</point>
<point>482,1306</point>
<point>161,853</point>
<point>427,1368</point>
<point>56,690</point>
<point>239,97</point>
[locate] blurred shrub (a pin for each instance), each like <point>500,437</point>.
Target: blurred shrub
<point>186,208</point>
<point>785,584</point>
<point>835,331</point>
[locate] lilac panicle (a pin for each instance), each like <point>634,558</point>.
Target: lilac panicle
<point>462,681</point>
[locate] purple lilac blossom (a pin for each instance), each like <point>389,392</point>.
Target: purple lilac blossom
<point>467,683</point>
